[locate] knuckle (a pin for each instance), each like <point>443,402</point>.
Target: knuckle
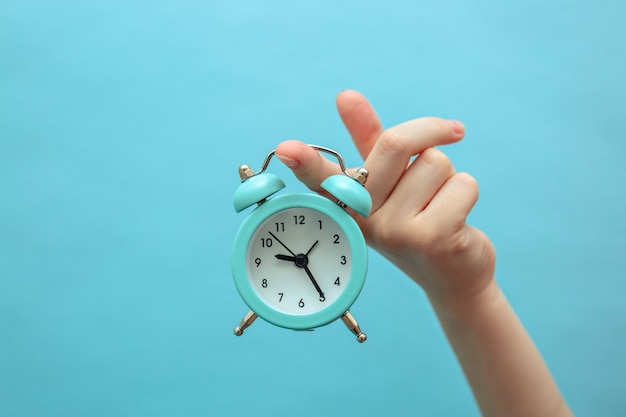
<point>467,181</point>
<point>460,243</point>
<point>434,157</point>
<point>393,142</point>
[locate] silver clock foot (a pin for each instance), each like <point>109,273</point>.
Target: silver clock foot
<point>245,323</point>
<point>353,326</point>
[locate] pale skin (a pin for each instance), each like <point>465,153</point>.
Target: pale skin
<point>418,222</point>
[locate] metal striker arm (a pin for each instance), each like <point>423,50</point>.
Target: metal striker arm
<point>353,326</point>
<point>246,322</point>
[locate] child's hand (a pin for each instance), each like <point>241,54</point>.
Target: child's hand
<point>419,208</point>
<point>418,222</point>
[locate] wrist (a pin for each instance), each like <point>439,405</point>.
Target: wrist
<point>462,305</point>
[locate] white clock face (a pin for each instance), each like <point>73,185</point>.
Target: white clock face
<point>299,261</point>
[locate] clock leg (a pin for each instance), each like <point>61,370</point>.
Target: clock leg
<point>353,326</point>
<point>246,322</point>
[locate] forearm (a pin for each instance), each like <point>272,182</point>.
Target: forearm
<point>504,368</point>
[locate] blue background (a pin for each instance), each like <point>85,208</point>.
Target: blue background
<point>122,125</point>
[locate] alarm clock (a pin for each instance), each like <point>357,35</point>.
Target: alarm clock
<point>299,260</point>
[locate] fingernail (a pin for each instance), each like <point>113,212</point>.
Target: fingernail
<point>290,162</point>
<point>456,126</point>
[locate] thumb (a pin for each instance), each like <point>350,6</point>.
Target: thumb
<point>307,164</point>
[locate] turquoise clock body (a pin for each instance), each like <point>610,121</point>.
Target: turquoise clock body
<point>281,290</point>
<point>299,260</point>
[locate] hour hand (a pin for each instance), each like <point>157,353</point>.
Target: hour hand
<point>286,258</point>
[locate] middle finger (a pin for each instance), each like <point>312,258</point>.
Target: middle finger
<point>392,152</point>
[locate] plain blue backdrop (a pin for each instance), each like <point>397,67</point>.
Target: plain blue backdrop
<point>122,125</point>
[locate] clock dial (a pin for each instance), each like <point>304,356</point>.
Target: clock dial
<point>299,261</point>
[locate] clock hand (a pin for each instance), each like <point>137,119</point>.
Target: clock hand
<point>286,258</point>
<point>315,284</point>
<point>301,261</point>
<point>308,271</point>
<point>309,251</point>
<point>283,245</point>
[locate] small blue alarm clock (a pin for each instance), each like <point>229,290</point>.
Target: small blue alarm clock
<point>299,260</point>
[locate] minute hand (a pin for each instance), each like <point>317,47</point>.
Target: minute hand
<point>282,244</point>
<point>315,284</point>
